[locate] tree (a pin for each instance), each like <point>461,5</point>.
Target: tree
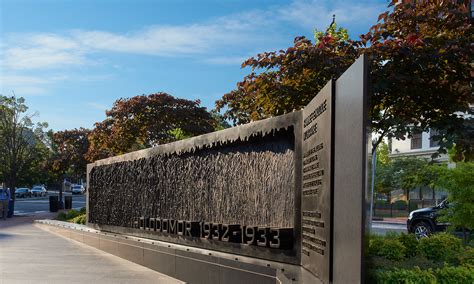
<point>20,144</point>
<point>459,183</point>
<point>420,73</point>
<point>290,78</point>
<point>69,148</point>
<point>420,56</point>
<point>405,173</point>
<point>145,121</point>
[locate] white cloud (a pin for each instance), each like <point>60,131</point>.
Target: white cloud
<point>216,37</point>
<point>39,51</point>
<point>41,85</point>
<point>313,13</point>
<point>226,60</point>
<point>98,106</point>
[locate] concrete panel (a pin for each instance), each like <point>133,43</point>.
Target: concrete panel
<point>130,250</point>
<point>196,268</point>
<point>230,275</point>
<point>92,239</point>
<point>108,244</point>
<point>160,259</point>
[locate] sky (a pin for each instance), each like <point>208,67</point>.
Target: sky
<point>71,59</point>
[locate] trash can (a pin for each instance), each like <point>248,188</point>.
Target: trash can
<point>10,208</point>
<point>67,202</point>
<point>53,204</point>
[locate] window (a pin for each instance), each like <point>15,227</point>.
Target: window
<point>433,142</point>
<point>416,141</point>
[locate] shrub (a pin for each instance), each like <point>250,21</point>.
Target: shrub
<point>408,276</point>
<point>71,214</point>
<point>81,219</point>
<point>451,274</point>
<point>400,205</point>
<point>441,247</point>
<point>83,210</point>
<point>467,257</point>
<point>412,206</point>
<point>410,243</point>
<point>393,250</point>
<point>65,216</point>
<point>62,216</point>
<point>378,262</point>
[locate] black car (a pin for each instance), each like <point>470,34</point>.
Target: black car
<point>423,222</point>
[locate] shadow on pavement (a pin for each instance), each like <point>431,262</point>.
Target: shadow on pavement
<point>25,219</point>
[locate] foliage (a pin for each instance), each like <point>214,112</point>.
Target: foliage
<point>447,262</point>
<point>80,219</point>
<point>382,154</point>
<point>459,274</point>
<point>220,120</point>
<point>459,183</point>
<point>178,134</point>
<point>65,216</point>
<point>404,173</point>
<point>21,143</point>
<point>145,121</point>
<point>415,64</point>
<point>407,276</point>
<point>467,257</point>
<point>400,205</point>
<point>391,249</point>
<point>420,56</point>
<point>286,80</point>
<point>410,242</point>
<point>337,33</point>
<point>440,247</point>
<point>68,150</point>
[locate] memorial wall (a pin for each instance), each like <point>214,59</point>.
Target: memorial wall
<point>289,188</point>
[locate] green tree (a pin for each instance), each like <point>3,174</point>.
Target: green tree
<point>405,173</point>
<point>21,148</point>
<point>382,154</point>
<point>459,184</point>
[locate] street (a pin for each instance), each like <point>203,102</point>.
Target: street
<point>381,228</point>
<point>36,205</point>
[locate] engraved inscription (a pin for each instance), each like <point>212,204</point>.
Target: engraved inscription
<point>311,167</point>
<point>312,214</point>
<point>313,223</point>
<point>313,175</point>
<point>314,240</point>
<point>310,160</point>
<point>309,230</point>
<point>311,131</point>
<point>313,150</point>
<point>313,248</point>
<point>315,113</point>
<point>313,183</point>
<point>310,191</point>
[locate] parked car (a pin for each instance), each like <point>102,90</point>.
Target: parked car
<point>77,189</point>
<point>22,192</point>
<point>423,222</point>
<point>39,191</point>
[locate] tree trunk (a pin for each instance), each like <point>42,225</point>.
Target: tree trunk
<point>11,184</point>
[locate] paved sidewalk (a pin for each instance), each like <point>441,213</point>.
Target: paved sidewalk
<point>29,254</point>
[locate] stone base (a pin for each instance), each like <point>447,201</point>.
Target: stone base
<point>189,264</point>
